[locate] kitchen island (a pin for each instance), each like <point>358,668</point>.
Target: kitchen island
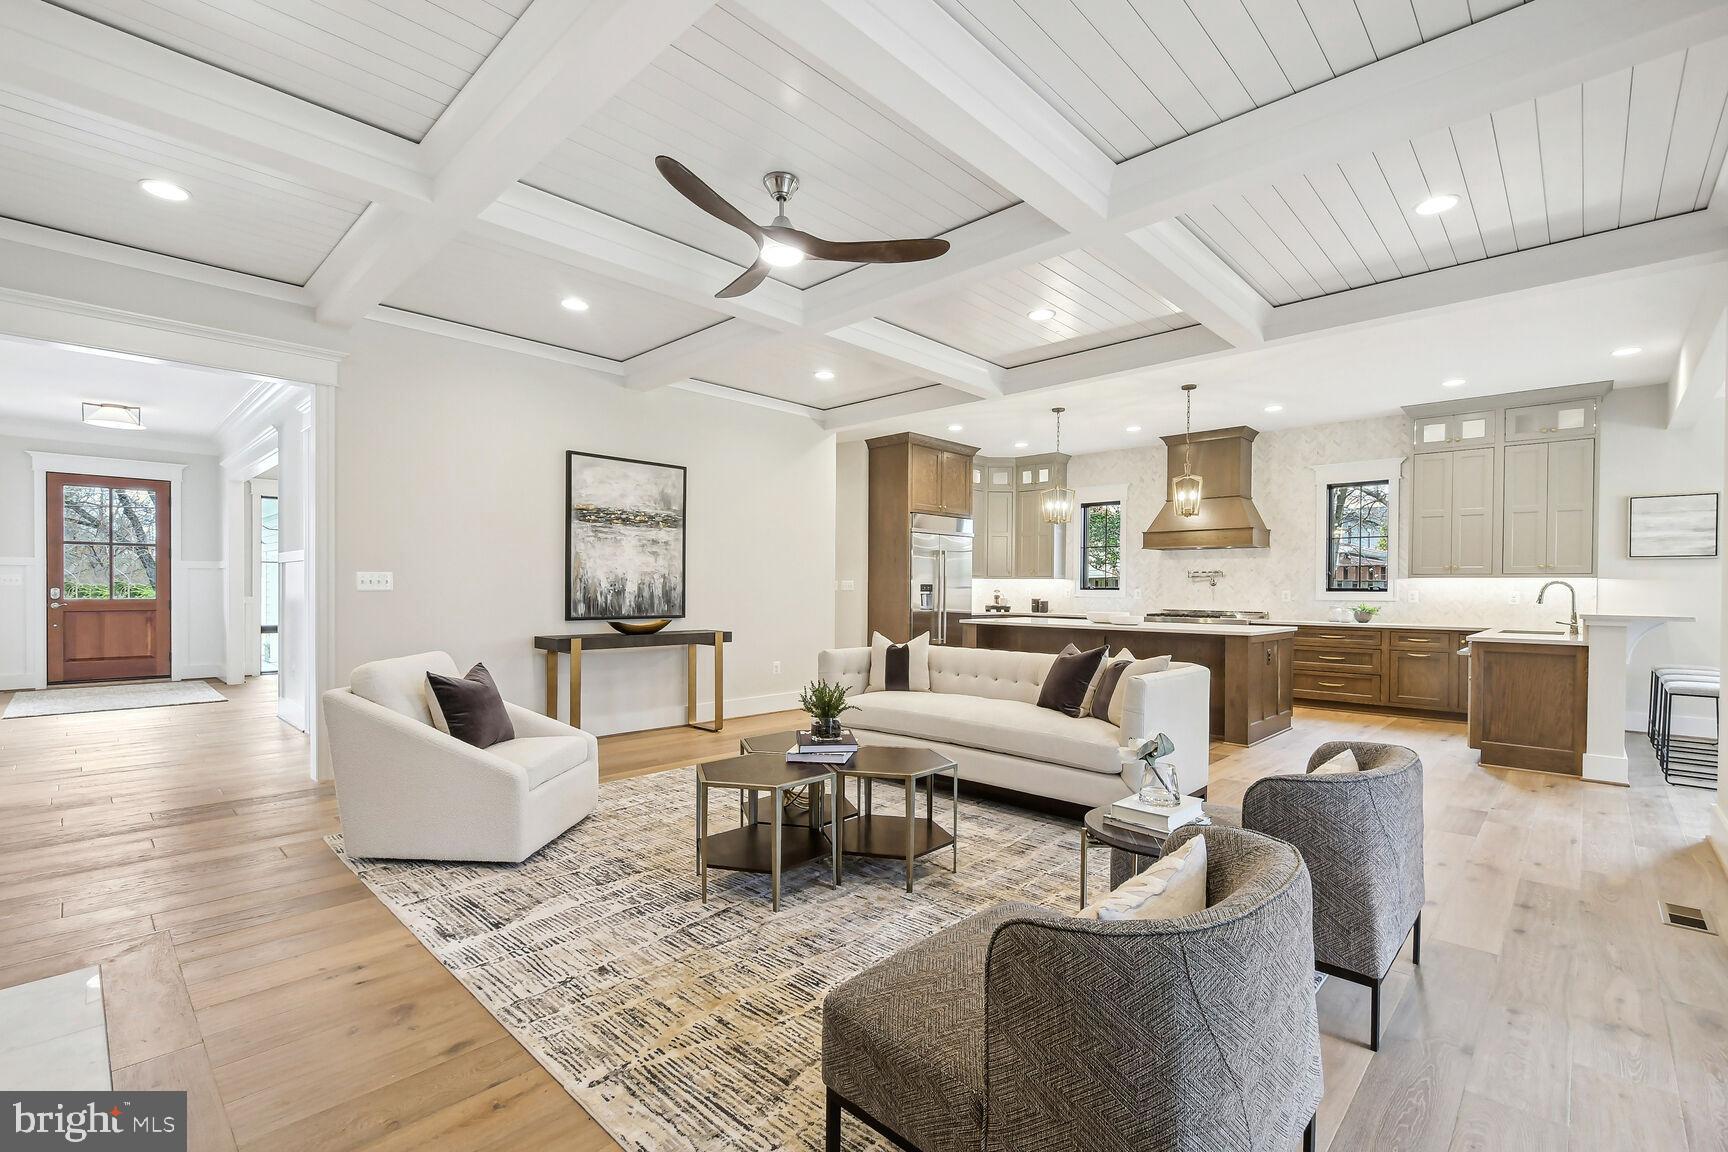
<point>1250,663</point>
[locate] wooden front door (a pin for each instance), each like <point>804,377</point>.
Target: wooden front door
<point>108,578</point>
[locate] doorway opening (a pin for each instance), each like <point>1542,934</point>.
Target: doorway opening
<point>110,559</point>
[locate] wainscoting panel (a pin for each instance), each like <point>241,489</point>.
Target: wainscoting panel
<point>15,600</point>
<point>199,596</point>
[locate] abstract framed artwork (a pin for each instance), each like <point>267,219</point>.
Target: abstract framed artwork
<point>624,538</point>
<point>1672,526</point>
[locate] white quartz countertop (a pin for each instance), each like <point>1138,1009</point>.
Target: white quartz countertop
<point>1526,636</point>
<point>1413,625</point>
<point>1146,627</point>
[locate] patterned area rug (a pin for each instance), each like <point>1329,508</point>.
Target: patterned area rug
<point>682,1026</point>
<point>111,698</point>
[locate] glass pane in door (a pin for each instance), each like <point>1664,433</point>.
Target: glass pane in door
<point>134,516</point>
<point>134,572</point>
<point>269,584</point>
<point>85,513</point>
<point>86,572</point>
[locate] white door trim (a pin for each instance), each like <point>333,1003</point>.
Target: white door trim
<point>36,623</point>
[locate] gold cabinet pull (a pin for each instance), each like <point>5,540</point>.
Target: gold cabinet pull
<point>1329,684</point>
<point>1340,659</point>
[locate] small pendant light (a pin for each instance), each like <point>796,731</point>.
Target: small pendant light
<point>1058,501</point>
<point>1186,490</point>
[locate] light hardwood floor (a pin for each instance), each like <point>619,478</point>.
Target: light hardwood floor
<point>181,849</point>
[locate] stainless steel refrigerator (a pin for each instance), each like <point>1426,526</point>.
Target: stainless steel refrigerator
<point>941,576</point>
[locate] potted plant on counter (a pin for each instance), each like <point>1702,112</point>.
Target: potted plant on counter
<point>1365,613</point>
<point>824,702</point>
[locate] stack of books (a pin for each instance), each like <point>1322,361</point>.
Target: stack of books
<point>807,749</point>
<point>1130,813</point>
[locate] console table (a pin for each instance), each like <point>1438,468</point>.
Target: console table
<point>577,644</point>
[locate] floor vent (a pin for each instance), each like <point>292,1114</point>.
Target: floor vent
<point>1682,916</point>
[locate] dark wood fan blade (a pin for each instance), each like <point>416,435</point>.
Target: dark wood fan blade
<point>751,277</point>
<point>691,187</point>
<point>859,252</point>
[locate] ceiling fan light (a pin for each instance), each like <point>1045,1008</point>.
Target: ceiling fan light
<point>781,255</point>
<point>113,415</point>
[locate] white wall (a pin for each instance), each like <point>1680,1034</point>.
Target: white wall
<point>851,543</point>
<point>451,475</point>
<point>199,595</point>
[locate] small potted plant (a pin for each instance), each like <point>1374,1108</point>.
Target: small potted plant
<point>1365,612</point>
<point>824,702</point>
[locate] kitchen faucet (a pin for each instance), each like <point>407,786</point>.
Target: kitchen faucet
<point>1572,624</point>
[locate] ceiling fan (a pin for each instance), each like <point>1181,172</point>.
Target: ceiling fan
<point>778,244</point>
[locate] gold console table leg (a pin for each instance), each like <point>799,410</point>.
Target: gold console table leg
<point>719,685</point>
<point>575,683</point>
<point>552,684</point>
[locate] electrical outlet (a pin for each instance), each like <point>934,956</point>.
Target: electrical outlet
<point>848,585</point>
<point>1515,598</point>
<point>1284,596</point>
<point>374,581</point>
<point>1413,596</point>
<point>776,668</point>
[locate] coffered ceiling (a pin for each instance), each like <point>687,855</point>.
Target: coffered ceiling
<point>1173,183</point>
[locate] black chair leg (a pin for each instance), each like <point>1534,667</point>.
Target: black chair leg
<point>1374,1016</point>
<point>1308,1136</point>
<point>832,1143</point>
<point>1416,943</point>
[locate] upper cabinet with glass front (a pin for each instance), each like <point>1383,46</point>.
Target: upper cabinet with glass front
<point>1563,421</point>
<point>1449,432</point>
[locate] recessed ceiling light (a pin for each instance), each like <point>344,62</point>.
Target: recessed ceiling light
<point>1021,444</point>
<point>824,374</point>
<point>1274,408</point>
<point>1132,428</point>
<point>573,304</point>
<point>956,428</point>
<point>1455,382</point>
<point>113,415</point>
<point>1436,204</point>
<point>112,355</point>
<point>165,190</point>
<point>1041,314</point>
<point>1629,350</point>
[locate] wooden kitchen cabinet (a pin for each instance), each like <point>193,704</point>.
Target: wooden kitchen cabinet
<point>940,477</point>
<point>909,474</point>
<point>1414,668</point>
<point>1452,513</point>
<point>1550,509</point>
<point>1422,680</point>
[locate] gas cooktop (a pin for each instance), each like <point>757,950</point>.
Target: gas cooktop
<point>1205,616</point>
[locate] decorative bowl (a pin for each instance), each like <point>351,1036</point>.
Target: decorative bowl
<point>1100,617</point>
<point>1126,618</point>
<point>638,627</point>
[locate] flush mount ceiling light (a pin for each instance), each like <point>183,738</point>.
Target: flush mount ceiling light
<point>1436,204</point>
<point>1455,382</point>
<point>1021,444</point>
<point>1629,350</point>
<point>956,428</point>
<point>1058,502</point>
<point>113,415</point>
<point>112,355</point>
<point>1041,314</point>
<point>165,190</point>
<point>1132,428</point>
<point>573,304</point>
<point>824,374</point>
<point>1273,408</point>
<point>1186,489</point>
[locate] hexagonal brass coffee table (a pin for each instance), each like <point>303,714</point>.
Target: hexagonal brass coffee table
<point>797,800</point>
<point>900,837</point>
<point>757,847</point>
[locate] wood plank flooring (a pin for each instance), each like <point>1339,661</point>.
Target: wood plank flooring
<point>181,849</point>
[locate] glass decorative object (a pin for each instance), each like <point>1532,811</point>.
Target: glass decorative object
<point>1159,786</point>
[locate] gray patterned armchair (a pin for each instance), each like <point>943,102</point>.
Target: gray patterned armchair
<point>1361,836</point>
<point>1021,1028</point>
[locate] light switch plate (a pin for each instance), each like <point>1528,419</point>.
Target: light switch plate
<point>374,581</point>
<point>11,579</point>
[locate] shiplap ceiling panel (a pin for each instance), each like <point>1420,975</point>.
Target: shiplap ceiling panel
<point>79,173</point>
<point>1624,149</point>
<point>500,289</point>
<point>731,102</point>
<point>787,371</point>
<point>1094,300</point>
<point>394,64</point>
<point>1134,74</point>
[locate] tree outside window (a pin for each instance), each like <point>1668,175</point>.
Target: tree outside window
<point>1101,546</point>
<point>1357,558</point>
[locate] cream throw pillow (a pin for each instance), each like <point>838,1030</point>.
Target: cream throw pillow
<point>1338,765</point>
<point>1138,668</point>
<point>1092,688</point>
<point>1174,886</point>
<point>917,663</point>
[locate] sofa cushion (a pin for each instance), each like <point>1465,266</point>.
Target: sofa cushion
<point>400,684</point>
<point>469,708</point>
<point>1138,668</point>
<point>899,667</point>
<point>544,757</point>
<point>1175,886</point>
<point>1340,765</point>
<point>1070,676</point>
<point>1011,727</point>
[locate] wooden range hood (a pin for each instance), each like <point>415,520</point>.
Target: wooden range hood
<point>1224,460</point>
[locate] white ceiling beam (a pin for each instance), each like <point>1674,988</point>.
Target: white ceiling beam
<point>754,399</point>
<point>1526,52</point>
<point>922,356</point>
<point>61,56</point>
<point>1112,360</point>
<point>547,225</point>
<point>555,68</point>
<point>681,359</point>
<point>436,326</point>
<point>924,66</point>
<point>1169,259</point>
<point>896,407</point>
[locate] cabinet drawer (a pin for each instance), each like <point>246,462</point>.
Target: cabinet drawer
<point>1354,687</point>
<point>1423,641</point>
<point>1317,634</point>
<point>1336,657</point>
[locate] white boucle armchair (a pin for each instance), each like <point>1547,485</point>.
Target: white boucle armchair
<point>408,791</point>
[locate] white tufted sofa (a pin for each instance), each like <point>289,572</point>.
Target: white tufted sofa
<point>982,710</point>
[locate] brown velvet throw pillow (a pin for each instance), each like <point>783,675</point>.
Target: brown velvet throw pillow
<point>1065,684</point>
<point>471,708</point>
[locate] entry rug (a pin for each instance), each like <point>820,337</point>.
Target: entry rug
<point>679,1026</point>
<point>111,698</point>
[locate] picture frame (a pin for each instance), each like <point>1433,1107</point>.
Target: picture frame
<point>624,538</point>
<point>1683,525</point>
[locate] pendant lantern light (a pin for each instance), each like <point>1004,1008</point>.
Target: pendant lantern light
<point>1186,491</point>
<point>1058,501</point>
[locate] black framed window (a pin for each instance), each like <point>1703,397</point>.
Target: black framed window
<point>1101,545</point>
<point>1358,555</point>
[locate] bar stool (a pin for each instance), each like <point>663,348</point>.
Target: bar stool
<point>1696,671</point>
<point>1688,760</point>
